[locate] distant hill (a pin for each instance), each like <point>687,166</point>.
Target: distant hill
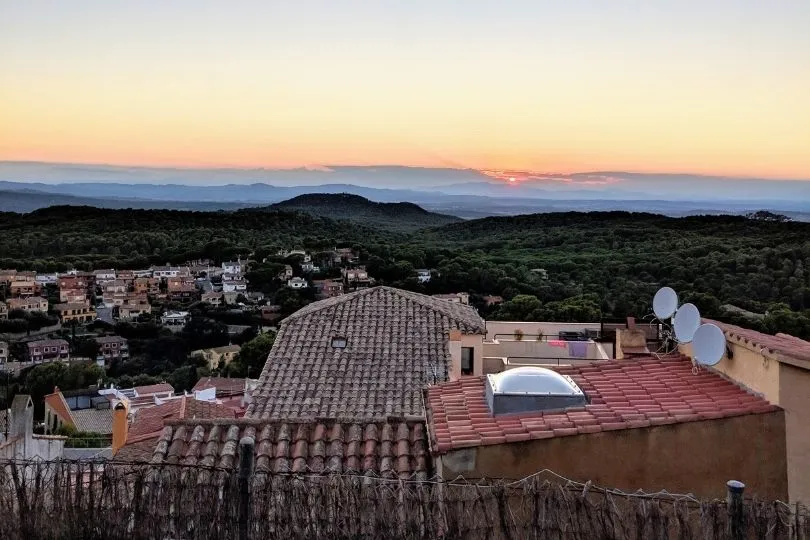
<point>401,216</point>
<point>23,201</point>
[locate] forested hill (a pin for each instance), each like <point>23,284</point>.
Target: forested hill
<point>563,266</point>
<point>619,259</point>
<point>402,216</point>
<point>62,236</point>
<point>28,201</point>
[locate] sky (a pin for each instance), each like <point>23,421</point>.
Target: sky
<point>719,87</point>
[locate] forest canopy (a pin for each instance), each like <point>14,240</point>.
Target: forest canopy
<point>556,266</point>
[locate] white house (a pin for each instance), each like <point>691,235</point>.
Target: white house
<point>233,267</point>
<point>44,279</point>
<point>169,271</point>
<point>104,275</point>
<point>175,320</point>
<point>297,283</point>
<point>310,267</point>
<point>423,275</point>
<point>234,286</point>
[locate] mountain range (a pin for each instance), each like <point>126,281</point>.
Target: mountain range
<point>465,193</point>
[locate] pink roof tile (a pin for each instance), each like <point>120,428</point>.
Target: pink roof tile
<point>623,395</point>
<point>784,344</point>
<point>154,389</point>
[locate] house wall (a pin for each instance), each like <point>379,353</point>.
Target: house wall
<point>794,398</point>
<point>781,384</point>
<point>476,341</point>
<point>457,340</point>
<point>533,328</point>
<point>749,368</point>
<point>692,457</point>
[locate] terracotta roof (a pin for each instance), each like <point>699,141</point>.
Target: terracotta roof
<point>396,343</point>
<point>110,339</point>
<point>47,343</point>
<point>623,395</point>
<point>154,389</point>
<point>58,405</point>
<point>149,423</point>
<point>393,448</point>
<point>224,385</point>
<point>780,344</point>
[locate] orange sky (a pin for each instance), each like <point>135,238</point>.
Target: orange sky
<point>270,84</point>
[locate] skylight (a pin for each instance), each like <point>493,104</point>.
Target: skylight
<point>531,389</point>
<point>533,380</point>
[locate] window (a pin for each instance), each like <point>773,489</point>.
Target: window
<point>339,342</point>
<point>467,360</point>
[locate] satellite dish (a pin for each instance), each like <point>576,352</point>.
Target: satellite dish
<point>686,322</point>
<point>665,303</point>
<point>708,344</point>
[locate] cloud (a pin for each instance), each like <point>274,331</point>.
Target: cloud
<point>544,178</point>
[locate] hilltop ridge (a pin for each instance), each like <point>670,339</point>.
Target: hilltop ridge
<point>401,216</point>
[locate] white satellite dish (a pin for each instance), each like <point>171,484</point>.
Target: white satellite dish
<point>708,344</point>
<point>686,322</point>
<point>665,303</point>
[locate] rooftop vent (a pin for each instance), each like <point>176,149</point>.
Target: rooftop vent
<point>339,342</point>
<point>528,389</point>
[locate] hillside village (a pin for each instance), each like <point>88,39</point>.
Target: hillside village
<point>386,382</point>
<point>39,310</point>
<point>419,366</point>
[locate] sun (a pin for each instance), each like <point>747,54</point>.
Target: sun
<point>512,180</point>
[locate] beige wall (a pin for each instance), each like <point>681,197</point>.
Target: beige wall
<point>794,398</point>
<point>749,368</point>
<point>691,457</point>
<point>475,341</point>
<point>531,348</point>
<point>784,385</point>
<point>533,328</point>
<point>457,340</point>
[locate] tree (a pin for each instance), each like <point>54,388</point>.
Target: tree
<point>252,357</point>
<point>523,307</point>
<point>42,379</point>
<point>86,347</point>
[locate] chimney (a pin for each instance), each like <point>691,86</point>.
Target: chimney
<point>120,426</point>
<point>21,423</point>
<point>455,355</point>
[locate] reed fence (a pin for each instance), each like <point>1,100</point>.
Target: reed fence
<point>113,499</point>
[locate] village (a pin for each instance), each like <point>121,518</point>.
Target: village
<point>39,312</point>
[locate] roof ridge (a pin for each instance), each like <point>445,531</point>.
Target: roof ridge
<point>183,406</point>
<point>435,304</point>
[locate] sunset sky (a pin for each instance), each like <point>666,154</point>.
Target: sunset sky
<point>712,87</point>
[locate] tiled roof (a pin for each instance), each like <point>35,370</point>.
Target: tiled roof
<point>780,344</point>
<point>149,423</point>
<point>227,349</point>
<point>622,394</point>
<point>392,449</point>
<point>224,385</point>
<point>396,344</point>
<point>59,406</point>
<point>110,339</point>
<point>154,389</point>
<point>47,343</point>
<point>93,420</point>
